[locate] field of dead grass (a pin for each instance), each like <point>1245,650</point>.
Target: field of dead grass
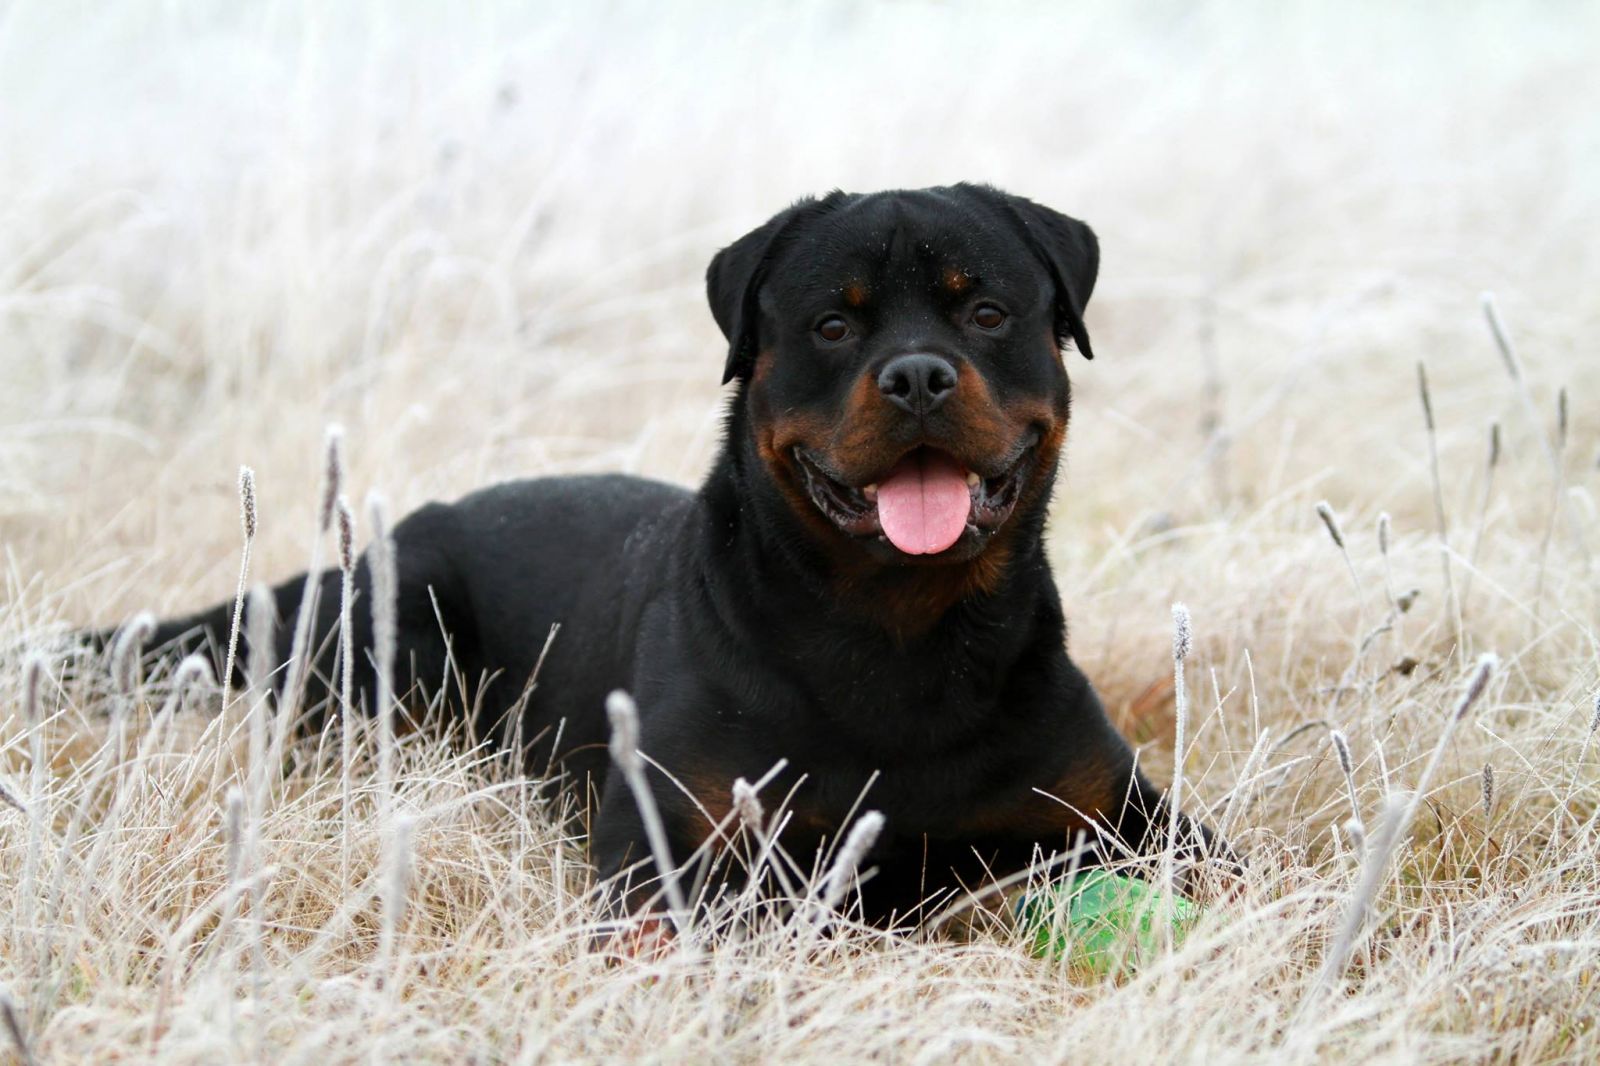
<point>475,240</point>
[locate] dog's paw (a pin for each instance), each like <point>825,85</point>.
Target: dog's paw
<point>1211,880</point>
<point>641,940</point>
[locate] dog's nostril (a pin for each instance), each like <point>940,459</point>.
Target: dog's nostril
<point>917,383</point>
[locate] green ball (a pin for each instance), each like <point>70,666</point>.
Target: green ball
<point>1103,921</point>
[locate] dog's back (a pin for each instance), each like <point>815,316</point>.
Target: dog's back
<point>482,584</point>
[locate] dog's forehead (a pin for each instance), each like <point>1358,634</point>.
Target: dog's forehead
<point>902,241</point>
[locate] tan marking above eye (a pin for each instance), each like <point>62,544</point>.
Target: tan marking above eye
<point>855,294</point>
<point>956,280</point>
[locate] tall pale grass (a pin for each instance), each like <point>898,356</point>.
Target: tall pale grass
<point>624,718</point>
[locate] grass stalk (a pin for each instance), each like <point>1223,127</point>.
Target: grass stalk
<point>193,672</point>
<point>396,885</point>
<point>347,722</point>
<point>235,847</point>
<point>1398,812</point>
<point>845,871</point>
<point>34,673</point>
<point>385,592</point>
<point>248,522</point>
<point>1331,522</point>
<point>1385,535</point>
<point>624,717</point>
<point>1492,465</point>
<point>258,672</point>
<point>747,804</point>
<point>1514,367</point>
<point>1452,603</point>
<point>1557,492</point>
<point>1182,645</point>
<point>305,618</point>
<point>1583,757</point>
<point>1341,747</point>
<point>126,652</point>
<point>259,769</point>
<point>15,1030</point>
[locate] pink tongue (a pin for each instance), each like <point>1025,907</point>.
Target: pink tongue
<point>923,504</point>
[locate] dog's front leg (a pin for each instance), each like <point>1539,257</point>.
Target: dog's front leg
<point>1099,790</point>
<point>633,884</point>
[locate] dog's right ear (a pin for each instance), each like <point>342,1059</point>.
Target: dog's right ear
<point>733,281</point>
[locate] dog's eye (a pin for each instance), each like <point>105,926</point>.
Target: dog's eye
<point>833,329</point>
<point>988,316</point>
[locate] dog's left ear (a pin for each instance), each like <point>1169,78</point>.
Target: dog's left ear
<point>733,281</point>
<point>1069,249</point>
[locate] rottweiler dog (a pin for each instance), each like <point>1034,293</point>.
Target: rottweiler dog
<point>859,587</point>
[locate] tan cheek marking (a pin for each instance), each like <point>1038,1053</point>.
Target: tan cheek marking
<point>763,367</point>
<point>856,441</point>
<point>986,427</point>
<point>775,441</point>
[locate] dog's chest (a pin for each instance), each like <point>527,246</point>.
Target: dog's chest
<point>928,767</point>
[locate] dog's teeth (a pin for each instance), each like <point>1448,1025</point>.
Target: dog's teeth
<point>870,492</point>
<point>973,480</point>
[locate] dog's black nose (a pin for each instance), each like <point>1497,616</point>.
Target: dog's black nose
<point>917,383</point>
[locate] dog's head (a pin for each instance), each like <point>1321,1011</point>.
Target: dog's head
<point>901,360</point>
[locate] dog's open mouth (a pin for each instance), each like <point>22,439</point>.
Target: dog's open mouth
<point>925,504</point>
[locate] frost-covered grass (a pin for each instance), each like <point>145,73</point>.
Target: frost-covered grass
<point>475,240</point>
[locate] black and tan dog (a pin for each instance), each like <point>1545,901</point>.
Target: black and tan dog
<point>859,587</point>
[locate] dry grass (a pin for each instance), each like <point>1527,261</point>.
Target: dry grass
<point>476,243</point>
